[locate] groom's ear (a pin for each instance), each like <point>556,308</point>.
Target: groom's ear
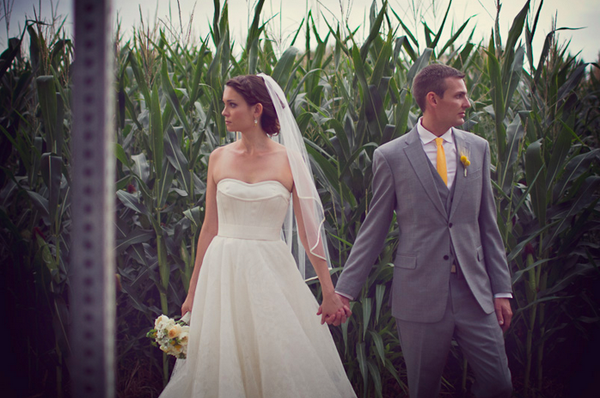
<point>431,99</point>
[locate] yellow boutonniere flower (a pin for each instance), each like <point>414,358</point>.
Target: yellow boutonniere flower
<point>464,159</point>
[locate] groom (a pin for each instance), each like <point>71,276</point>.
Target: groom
<point>451,278</point>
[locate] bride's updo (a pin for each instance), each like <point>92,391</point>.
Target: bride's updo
<point>252,88</point>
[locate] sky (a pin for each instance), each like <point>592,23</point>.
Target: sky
<point>583,14</point>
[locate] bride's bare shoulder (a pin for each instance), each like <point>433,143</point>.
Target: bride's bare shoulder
<point>221,151</point>
<point>279,148</point>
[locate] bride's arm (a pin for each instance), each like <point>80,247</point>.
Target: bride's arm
<point>332,309</point>
<point>209,228</point>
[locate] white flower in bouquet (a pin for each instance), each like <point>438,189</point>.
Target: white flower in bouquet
<point>174,331</point>
<point>171,336</point>
<point>158,323</point>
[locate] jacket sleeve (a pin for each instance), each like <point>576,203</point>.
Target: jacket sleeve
<point>372,234</point>
<point>491,240</point>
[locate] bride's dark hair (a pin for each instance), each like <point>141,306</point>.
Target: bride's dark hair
<point>252,88</point>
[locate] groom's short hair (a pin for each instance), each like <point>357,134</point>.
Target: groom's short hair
<point>432,78</point>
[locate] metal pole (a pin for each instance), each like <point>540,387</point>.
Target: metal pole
<point>92,262</point>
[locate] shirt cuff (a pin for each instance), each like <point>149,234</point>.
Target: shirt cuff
<point>503,295</point>
<point>345,295</point>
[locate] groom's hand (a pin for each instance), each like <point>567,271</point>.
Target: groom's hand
<point>340,316</point>
<point>503,312</point>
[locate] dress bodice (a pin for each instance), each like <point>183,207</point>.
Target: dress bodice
<point>251,211</point>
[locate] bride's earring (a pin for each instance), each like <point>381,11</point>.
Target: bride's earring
<point>255,122</point>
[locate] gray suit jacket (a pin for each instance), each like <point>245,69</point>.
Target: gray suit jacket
<point>403,183</point>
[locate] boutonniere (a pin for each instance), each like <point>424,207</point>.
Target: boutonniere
<point>464,159</point>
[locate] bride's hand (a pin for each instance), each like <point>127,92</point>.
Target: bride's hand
<point>334,310</point>
<point>187,305</point>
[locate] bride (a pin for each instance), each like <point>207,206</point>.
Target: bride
<point>254,329</point>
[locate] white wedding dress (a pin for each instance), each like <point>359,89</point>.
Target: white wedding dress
<point>254,331</point>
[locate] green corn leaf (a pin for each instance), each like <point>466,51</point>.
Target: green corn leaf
<point>419,64</point>
<point>519,274</point>
<point>49,105</point>
<point>40,203</point>
<point>586,194</point>
<point>156,131</point>
<point>514,136</point>
<point>9,55</point>
<point>194,216</point>
<point>573,81</point>
<point>141,167</point>
<point>560,150</point>
<point>131,201</point>
<point>513,35</point>
<point>517,250</point>
<point>454,37</point>
<point>378,342</point>
<point>164,184</point>
<point>535,164</point>
<point>406,30</point>
<point>428,33</point>
<point>441,29</point>
<point>379,294</point>
<point>513,77</point>
<point>497,101</point>
<point>340,133</point>
<point>51,166</point>
<point>198,67</point>
<point>355,155</point>
<point>136,236</point>
<point>282,71</point>
<point>374,32</point>
<point>367,310</point>
<point>392,369</point>
<point>401,113</point>
<point>382,63</point>
<point>139,77</point>
<point>121,155</point>
<point>35,45</point>
<point>177,159</point>
<point>172,97</point>
<point>361,357</point>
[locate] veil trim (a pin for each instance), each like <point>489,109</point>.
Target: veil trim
<point>311,208</point>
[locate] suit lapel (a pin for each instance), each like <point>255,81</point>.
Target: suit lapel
<point>462,146</point>
<point>418,159</point>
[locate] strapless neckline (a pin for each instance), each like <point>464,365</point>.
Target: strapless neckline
<point>278,183</point>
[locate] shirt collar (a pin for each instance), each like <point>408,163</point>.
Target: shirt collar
<point>427,136</point>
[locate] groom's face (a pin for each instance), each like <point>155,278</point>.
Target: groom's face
<point>452,106</point>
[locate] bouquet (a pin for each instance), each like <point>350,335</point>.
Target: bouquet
<point>171,336</point>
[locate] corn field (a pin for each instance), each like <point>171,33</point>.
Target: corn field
<point>541,115</point>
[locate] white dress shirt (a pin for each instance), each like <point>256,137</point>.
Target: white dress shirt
<point>430,147</point>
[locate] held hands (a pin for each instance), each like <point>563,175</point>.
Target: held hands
<point>503,312</point>
<point>334,310</point>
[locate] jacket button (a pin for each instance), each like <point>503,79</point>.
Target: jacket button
<point>450,225</point>
<point>446,257</point>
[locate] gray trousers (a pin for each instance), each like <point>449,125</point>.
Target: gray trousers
<point>425,346</point>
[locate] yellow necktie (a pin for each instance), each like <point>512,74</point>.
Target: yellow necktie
<point>441,160</point>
